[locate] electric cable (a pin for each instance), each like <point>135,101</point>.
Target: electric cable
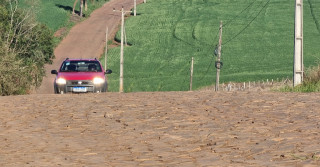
<point>234,18</point>
<point>240,32</point>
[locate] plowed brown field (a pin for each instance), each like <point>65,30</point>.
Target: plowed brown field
<point>201,128</point>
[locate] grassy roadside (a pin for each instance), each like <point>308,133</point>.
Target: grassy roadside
<point>311,82</point>
<point>57,14</point>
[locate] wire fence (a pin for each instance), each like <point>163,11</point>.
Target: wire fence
<point>262,85</point>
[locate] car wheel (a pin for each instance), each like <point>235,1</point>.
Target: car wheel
<point>55,90</point>
<point>105,88</point>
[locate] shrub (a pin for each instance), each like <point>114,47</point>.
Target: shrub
<point>311,82</point>
<point>25,47</point>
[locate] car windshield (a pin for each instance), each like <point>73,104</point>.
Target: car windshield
<point>81,66</point>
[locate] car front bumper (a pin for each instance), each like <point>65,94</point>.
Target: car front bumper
<point>77,86</point>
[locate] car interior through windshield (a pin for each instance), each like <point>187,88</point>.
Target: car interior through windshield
<point>81,66</point>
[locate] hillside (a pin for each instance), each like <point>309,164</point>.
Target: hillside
<point>257,42</point>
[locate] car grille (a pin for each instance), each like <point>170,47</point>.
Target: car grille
<point>79,83</point>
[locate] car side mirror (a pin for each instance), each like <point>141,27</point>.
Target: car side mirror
<point>54,72</point>
<point>108,71</point>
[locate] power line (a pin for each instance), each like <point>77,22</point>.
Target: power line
<point>215,38</point>
<point>240,32</point>
<point>314,16</point>
<point>245,9</point>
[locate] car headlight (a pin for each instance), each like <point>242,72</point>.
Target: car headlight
<point>97,81</point>
<point>61,81</point>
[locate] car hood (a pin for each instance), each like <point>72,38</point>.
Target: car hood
<point>80,75</point>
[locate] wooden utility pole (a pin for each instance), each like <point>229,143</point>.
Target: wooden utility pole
<point>121,50</point>
<point>106,50</point>
<point>191,74</point>
<point>106,54</point>
<point>298,68</point>
<point>218,62</point>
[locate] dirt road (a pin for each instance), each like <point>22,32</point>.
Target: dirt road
<point>86,39</point>
<point>161,129</point>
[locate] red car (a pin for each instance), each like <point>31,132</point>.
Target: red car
<point>80,76</point>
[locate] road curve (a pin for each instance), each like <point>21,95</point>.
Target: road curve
<point>86,39</point>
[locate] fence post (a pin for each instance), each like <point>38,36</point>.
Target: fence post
<point>191,74</point>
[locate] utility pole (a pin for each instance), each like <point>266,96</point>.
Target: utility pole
<point>218,63</point>
<point>298,68</point>
<point>135,8</point>
<point>106,54</point>
<point>106,51</point>
<point>121,50</point>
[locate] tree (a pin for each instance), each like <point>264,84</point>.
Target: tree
<point>25,47</point>
<point>85,2</point>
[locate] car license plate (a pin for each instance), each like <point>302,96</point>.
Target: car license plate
<point>79,89</point>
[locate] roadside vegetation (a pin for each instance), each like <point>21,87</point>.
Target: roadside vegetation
<point>25,47</point>
<point>257,43</point>
<point>57,14</point>
<point>311,82</point>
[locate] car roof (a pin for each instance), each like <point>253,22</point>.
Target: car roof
<point>81,60</point>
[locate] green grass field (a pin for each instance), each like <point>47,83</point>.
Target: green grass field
<point>56,13</point>
<point>258,42</point>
